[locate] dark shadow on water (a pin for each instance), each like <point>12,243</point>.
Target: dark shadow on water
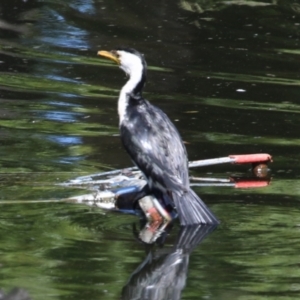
<point>162,275</point>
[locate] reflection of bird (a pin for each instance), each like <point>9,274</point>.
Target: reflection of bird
<point>162,275</point>
<point>15,294</point>
<point>154,144</point>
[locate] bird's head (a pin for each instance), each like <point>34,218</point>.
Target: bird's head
<point>130,61</point>
<point>133,64</point>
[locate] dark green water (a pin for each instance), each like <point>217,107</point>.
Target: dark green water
<point>227,74</point>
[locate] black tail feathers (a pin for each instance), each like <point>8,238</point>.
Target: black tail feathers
<point>192,210</point>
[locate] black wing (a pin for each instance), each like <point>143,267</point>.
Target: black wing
<point>155,146</point>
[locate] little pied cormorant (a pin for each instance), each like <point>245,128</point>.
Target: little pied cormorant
<point>154,144</point>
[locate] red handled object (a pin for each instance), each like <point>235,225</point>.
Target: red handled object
<point>234,159</point>
<point>251,158</point>
<point>246,183</point>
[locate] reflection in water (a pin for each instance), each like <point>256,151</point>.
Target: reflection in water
<point>15,294</point>
<point>15,15</point>
<point>162,275</point>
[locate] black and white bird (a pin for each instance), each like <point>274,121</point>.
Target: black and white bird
<point>154,144</point>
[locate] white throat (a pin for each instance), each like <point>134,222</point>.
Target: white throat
<point>133,67</point>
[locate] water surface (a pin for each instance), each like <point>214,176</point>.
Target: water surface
<point>227,74</point>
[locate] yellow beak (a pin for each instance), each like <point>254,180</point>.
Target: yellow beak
<point>109,55</point>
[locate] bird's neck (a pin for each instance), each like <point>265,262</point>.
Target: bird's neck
<point>131,92</point>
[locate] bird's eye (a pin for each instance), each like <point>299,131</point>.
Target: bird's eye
<point>115,53</point>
